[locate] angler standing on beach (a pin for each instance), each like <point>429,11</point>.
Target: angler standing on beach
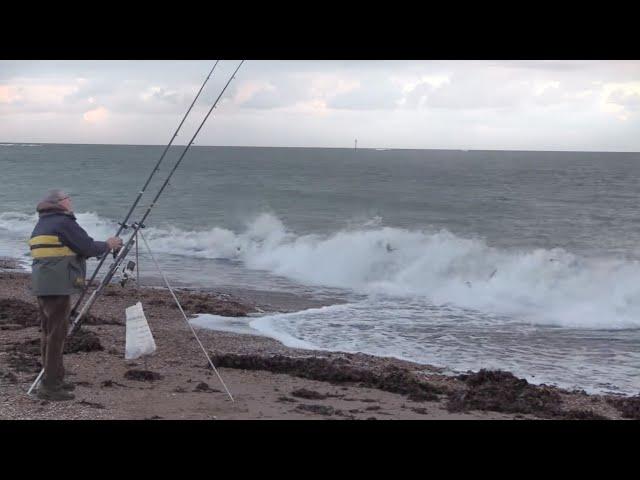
<point>59,247</point>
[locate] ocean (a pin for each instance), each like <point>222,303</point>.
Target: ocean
<point>523,261</point>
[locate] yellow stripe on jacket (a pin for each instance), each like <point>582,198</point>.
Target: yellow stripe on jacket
<point>52,252</point>
<point>45,240</point>
<point>46,246</point>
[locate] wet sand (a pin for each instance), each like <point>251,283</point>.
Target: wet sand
<point>267,379</point>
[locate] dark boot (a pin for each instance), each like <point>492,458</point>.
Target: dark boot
<point>53,394</point>
<point>68,386</point>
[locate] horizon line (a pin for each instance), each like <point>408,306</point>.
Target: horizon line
<point>319,148</point>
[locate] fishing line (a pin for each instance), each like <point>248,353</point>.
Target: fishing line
<point>164,277</point>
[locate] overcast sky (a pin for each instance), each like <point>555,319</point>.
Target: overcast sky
<point>502,105</point>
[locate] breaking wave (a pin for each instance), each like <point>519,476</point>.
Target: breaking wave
<point>540,286</point>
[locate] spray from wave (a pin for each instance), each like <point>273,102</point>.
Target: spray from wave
<point>539,286</point>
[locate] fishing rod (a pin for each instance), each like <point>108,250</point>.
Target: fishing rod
<point>124,250</point>
<point>122,225</point>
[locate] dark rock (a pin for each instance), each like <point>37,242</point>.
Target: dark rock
<point>201,387</point>
<point>204,387</point>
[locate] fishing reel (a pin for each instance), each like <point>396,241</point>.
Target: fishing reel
<point>127,273</point>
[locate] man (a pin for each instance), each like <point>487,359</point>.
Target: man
<point>59,247</point>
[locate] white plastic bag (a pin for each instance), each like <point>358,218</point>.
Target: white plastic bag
<point>139,340</point>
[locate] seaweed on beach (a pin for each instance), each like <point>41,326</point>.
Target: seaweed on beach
<point>204,387</point>
<point>318,409</point>
<point>21,362</point>
<point>8,377</point>
<point>285,399</point>
<point>16,313</point>
<point>110,384</point>
<point>192,302</point>
<point>629,407</point>
<point>503,392</point>
<point>582,415</point>
<point>91,404</point>
<point>142,375</point>
<point>308,394</point>
<point>80,341</point>
<point>25,356</point>
<point>334,370</point>
<point>83,341</point>
<point>203,303</point>
<point>7,263</point>
<point>90,319</point>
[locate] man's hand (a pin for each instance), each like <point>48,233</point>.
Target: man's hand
<point>114,243</point>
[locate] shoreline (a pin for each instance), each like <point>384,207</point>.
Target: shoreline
<point>267,379</point>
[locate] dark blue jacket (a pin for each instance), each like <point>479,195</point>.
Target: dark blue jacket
<point>72,235</point>
<point>60,247</point>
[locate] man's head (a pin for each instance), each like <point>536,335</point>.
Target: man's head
<point>55,200</point>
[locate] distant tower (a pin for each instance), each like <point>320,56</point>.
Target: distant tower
<point>356,145</point>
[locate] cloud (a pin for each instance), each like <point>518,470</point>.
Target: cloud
<point>161,94</point>
<point>96,115</point>
<point>492,88</point>
<point>297,91</point>
<point>375,94</point>
<point>620,99</point>
<point>410,104</point>
<point>33,95</point>
<point>262,95</point>
<point>6,94</point>
<point>628,99</point>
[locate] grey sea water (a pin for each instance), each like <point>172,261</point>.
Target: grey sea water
<point>526,261</point>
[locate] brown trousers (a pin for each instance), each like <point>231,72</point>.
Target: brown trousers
<point>54,319</point>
